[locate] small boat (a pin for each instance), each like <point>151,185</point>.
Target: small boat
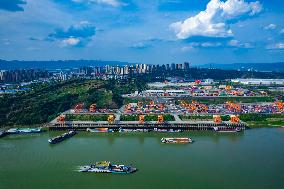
<point>62,137</point>
<point>2,133</point>
<point>174,131</point>
<point>107,167</point>
<point>23,130</point>
<point>125,130</point>
<point>235,130</point>
<point>100,130</point>
<point>176,140</point>
<point>160,130</point>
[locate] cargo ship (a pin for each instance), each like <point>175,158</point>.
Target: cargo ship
<point>62,137</point>
<point>100,130</point>
<point>107,167</point>
<point>176,140</point>
<point>23,130</point>
<point>121,130</point>
<point>234,130</point>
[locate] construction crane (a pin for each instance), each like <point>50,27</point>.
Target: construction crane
<point>217,119</point>
<point>110,119</point>
<point>160,118</point>
<point>93,108</point>
<point>234,119</point>
<point>139,104</point>
<point>141,119</point>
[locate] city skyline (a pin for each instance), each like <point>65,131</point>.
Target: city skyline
<point>149,32</point>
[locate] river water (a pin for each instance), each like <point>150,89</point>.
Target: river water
<point>252,159</point>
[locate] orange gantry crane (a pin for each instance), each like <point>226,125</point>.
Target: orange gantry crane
<point>93,108</point>
<point>217,119</point>
<point>160,118</point>
<point>110,119</point>
<point>234,119</point>
<point>79,107</point>
<point>141,119</point>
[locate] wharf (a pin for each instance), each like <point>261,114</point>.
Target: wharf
<point>183,125</point>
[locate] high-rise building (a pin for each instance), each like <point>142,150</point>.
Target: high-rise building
<point>186,66</point>
<point>173,66</point>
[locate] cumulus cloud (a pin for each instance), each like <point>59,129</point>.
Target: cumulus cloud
<point>12,5</point>
<point>270,27</point>
<point>214,21</point>
<point>76,35</point>
<point>114,3</point>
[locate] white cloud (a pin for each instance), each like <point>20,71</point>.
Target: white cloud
<point>236,43</point>
<point>71,41</point>
<point>203,44</point>
<point>213,21</point>
<point>114,3</point>
<point>276,46</point>
<point>270,27</point>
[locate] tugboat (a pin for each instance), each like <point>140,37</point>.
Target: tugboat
<point>235,130</point>
<point>100,130</point>
<point>176,140</point>
<point>107,167</point>
<point>61,137</point>
<point>23,130</point>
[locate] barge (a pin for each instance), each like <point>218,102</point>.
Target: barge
<point>176,140</point>
<point>23,130</point>
<point>62,137</point>
<point>100,130</point>
<point>107,167</point>
<point>232,130</point>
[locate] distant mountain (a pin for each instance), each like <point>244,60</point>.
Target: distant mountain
<point>55,64</point>
<point>276,67</point>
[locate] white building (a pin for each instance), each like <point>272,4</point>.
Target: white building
<point>259,81</point>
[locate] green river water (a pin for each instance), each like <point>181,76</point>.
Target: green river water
<point>253,159</point>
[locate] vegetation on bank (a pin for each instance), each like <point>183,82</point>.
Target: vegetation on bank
<point>256,120</point>
<point>48,100</point>
<point>86,117</point>
<point>148,117</point>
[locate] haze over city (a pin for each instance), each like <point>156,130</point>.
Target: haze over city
<point>143,31</point>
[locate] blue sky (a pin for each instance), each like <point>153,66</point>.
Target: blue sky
<point>146,31</point>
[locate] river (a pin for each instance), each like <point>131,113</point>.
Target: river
<point>252,159</point>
